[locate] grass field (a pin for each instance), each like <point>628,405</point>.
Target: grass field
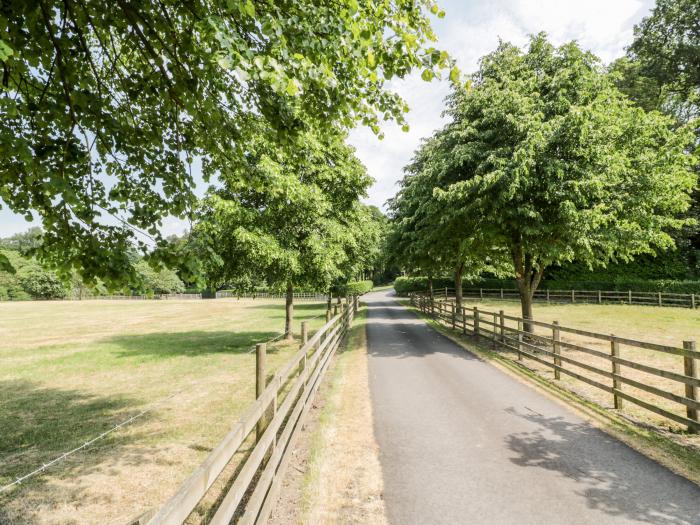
<point>71,370</point>
<point>666,326</point>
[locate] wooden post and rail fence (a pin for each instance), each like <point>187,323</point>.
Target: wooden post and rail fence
<point>680,300</point>
<point>508,332</point>
<point>275,418</point>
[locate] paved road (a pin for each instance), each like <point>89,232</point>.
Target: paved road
<point>463,443</point>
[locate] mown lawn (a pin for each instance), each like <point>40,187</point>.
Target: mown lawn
<point>666,326</point>
<point>71,370</point>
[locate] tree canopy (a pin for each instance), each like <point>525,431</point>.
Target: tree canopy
<point>301,225</point>
<point>106,106</point>
<point>549,161</point>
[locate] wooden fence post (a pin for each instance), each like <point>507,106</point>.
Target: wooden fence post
<point>573,296</point>
<point>335,309</point>
<point>328,314</point>
<point>501,293</point>
<point>692,301</point>
<point>476,321</point>
<point>502,321</point>
<point>547,295</point>
<point>615,352</point>
<point>481,294</point>
<point>556,337</point>
<point>304,332</point>
<point>464,321</point>
<point>600,297</point>
<point>356,305</point>
<point>495,330</point>
<point>445,292</point>
<point>660,299</point>
<point>260,379</point>
<point>691,391</point>
<point>454,315</point>
<point>520,340</point>
<point>629,296</point>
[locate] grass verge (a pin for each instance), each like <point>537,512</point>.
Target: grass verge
<point>663,447</point>
<point>336,475</point>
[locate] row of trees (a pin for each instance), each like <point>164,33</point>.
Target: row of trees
<point>544,161</point>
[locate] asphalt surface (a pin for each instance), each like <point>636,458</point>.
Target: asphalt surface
<point>462,442</point>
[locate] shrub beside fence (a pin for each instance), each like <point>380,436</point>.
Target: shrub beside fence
<point>275,419</point>
<point>675,390</point>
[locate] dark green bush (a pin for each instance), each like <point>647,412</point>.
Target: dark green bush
<point>405,285</point>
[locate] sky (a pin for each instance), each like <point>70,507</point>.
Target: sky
<point>470,29</point>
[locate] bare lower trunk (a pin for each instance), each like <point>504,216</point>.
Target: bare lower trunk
<point>458,287</point>
<point>528,273</point>
<point>526,308</point>
<point>430,287</point>
<point>289,312</point>
<point>330,298</point>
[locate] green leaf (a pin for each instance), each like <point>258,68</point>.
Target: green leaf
<point>250,8</point>
<point>5,51</point>
<point>454,74</point>
<point>427,75</point>
<point>292,88</point>
<point>5,265</point>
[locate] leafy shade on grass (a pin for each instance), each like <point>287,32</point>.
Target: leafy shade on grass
<point>681,454</point>
<point>71,370</point>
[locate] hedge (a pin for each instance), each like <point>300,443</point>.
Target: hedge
<point>404,285</point>
<point>358,287</point>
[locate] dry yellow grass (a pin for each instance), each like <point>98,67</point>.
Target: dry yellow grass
<point>71,370</point>
<point>342,478</point>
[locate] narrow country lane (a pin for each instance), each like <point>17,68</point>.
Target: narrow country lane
<point>462,442</point>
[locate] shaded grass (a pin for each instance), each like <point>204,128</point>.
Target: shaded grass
<point>681,454</point>
<point>71,370</point>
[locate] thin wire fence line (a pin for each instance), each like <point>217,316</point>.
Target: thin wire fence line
<point>149,409</point>
<point>85,445</point>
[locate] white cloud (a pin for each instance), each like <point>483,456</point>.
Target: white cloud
<point>470,30</point>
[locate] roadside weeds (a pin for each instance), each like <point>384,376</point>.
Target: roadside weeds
<point>335,476</point>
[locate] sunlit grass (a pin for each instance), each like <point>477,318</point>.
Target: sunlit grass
<point>71,370</point>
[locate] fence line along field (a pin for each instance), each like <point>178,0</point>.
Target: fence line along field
<point>72,370</point>
<point>661,326</point>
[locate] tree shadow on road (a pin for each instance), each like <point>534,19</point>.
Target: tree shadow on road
<point>613,478</point>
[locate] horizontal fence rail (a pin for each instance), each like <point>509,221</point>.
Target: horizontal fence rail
<point>275,418</point>
<point>544,344</point>
<point>310,296</point>
<point>682,300</point>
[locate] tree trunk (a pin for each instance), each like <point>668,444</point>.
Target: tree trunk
<point>528,276</point>
<point>430,287</point>
<point>289,312</point>
<point>330,298</point>
<point>458,287</point>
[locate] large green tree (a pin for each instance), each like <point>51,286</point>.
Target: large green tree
<point>105,106</point>
<point>428,235</point>
<point>298,226</point>
<point>662,71</point>
<point>557,165</point>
